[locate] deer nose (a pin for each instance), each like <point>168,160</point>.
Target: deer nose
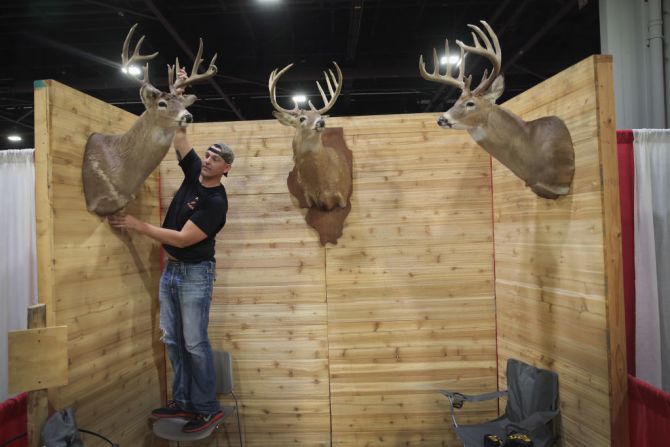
<point>320,124</point>
<point>188,118</point>
<point>443,122</point>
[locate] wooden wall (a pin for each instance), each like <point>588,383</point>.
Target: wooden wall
<point>102,285</point>
<point>558,272</point>
<point>355,338</point>
<point>348,344</point>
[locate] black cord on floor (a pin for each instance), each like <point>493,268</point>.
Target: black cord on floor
<point>98,435</point>
<point>15,438</point>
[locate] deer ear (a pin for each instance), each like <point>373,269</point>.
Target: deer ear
<point>188,100</point>
<point>496,90</point>
<point>149,94</point>
<point>285,118</point>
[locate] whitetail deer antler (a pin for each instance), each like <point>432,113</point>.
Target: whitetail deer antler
<point>194,76</point>
<point>272,86</point>
<point>330,80</point>
<point>136,57</point>
<point>328,104</point>
<point>490,50</point>
<point>460,82</point>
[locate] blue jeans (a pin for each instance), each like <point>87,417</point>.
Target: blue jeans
<point>185,296</point>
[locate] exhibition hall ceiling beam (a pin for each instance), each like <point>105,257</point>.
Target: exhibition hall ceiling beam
<point>75,51</point>
<point>339,5</point>
<point>529,43</point>
<point>175,35</point>
<point>354,29</point>
<point>24,116</point>
<point>118,9</point>
<point>15,121</point>
<point>375,21</point>
<point>419,16</point>
<point>382,71</point>
<point>523,69</point>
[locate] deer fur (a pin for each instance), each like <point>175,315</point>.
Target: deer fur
<point>323,174</point>
<point>115,166</point>
<point>540,152</point>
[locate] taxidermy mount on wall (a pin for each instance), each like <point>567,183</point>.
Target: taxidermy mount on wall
<point>116,166</point>
<point>540,152</point>
<point>322,175</point>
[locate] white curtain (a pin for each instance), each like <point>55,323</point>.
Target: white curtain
<point>652,256</point>
<point>18,259</point>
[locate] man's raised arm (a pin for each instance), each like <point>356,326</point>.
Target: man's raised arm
<point>181,143</point>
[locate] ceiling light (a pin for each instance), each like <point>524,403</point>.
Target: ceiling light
<point>268,1</point>
<point>133,70</point>
<point>451,60</point>
<point>14,138</point>
<point>299,98</point>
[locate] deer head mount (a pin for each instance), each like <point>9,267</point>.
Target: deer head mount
<point>115,166</point>
<point>322,172</point>
<point>540,152</point>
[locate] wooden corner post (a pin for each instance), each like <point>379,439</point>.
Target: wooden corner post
<point>616,329</point>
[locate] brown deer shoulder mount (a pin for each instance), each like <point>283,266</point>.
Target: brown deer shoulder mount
<point>323,173</point>
<point>540,152</point>
<point>116,166</point>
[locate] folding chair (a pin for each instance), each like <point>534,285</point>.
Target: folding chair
<point>532,407</point>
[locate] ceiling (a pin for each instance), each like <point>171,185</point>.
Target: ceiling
<point>376,43</point>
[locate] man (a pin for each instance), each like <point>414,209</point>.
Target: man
<point>196,214</point>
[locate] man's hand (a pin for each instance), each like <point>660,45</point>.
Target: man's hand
<point>181,143</point>
<point>189,235</point>
<point>123,221</point>
<point>182,76</point>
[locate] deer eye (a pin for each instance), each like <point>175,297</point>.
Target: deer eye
<point>162,104</point>
<point>303,119</point>
<point>470,104</point>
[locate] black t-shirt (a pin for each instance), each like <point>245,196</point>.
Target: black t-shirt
<point>205,207</point>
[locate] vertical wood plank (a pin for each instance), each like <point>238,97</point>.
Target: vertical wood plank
<point>618,376</point>
<point>38,401</point>
<point>43,199</point>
